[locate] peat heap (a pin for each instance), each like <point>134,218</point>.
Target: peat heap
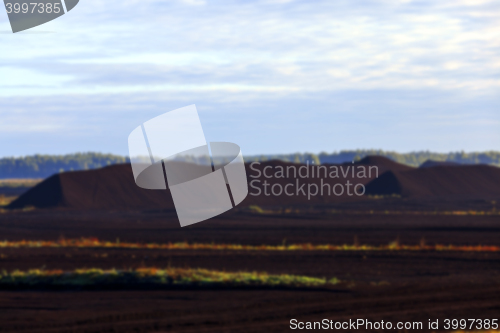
<point>450,182</point>
<point>111,187</point>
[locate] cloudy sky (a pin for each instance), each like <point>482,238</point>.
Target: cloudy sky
<point>274,76</point>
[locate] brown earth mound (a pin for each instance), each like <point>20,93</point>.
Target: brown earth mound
<point>327,183</point>
<point>454,182</point>
<point>113,187</point>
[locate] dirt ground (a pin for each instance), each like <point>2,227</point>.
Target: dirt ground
<point>385,285</point>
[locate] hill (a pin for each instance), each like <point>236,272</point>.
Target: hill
<point>273,183</point>
<point>445,181</point>
<point>113,187</point>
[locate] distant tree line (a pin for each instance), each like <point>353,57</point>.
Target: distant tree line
<point>413,159</point>
<point>42,166</point>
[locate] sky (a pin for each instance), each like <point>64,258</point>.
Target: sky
<point>273,76</point>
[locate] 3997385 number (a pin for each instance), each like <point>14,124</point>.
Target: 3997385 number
<point>478,324</point>
<point>33,7</point>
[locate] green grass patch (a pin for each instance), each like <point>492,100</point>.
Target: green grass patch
<point>151,277</point>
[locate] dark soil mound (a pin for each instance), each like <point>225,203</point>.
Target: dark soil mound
<point>323,178</point>
<point>454,182</point>
<point>111,187</point>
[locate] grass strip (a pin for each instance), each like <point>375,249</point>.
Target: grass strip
<point>96,243</point>
<point>187,277</point>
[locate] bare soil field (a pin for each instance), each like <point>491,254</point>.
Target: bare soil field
<point>376,285</point>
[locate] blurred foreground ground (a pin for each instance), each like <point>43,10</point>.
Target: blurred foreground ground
<point>377,285</point>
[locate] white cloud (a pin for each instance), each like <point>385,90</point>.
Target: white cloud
<point>253,52</point>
